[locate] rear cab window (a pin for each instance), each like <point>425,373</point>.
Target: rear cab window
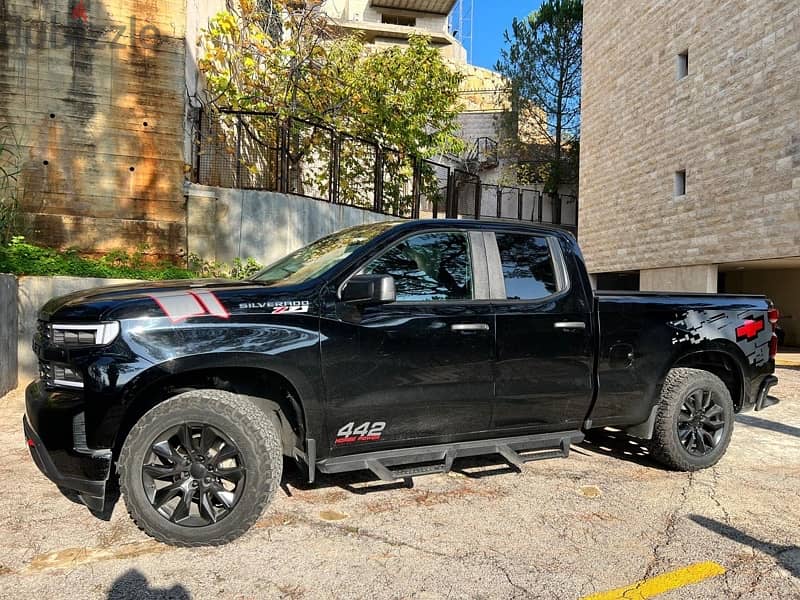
<point>529,271</point>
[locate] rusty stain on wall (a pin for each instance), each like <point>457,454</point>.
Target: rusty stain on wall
<point>95,90</point>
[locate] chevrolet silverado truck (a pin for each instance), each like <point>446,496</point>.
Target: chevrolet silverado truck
<point>393,347</point>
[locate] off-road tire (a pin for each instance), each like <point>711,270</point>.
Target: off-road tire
<point>666,446</point>
<point>249,428</point>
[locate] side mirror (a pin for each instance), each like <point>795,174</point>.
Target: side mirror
<point>369,289</point>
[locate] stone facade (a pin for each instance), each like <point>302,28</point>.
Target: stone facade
<point>732,124</point>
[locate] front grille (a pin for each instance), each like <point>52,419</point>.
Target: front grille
<point>44,330</point>
<point>46,372</point>
<point>79,432</point>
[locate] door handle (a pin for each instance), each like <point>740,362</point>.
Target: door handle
<point>570,325</point>
<point>470,327</point>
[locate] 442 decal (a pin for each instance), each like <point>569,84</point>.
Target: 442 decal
<point>366,432</point>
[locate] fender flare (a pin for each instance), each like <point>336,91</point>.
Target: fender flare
<point>309,392</point>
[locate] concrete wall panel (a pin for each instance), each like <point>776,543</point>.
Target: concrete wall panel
<point>262,225</point>
<point>93,92</point>
<point>8,333</point>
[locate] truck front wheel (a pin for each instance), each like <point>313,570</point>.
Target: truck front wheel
<point>199,468</point>
<point>694,421</point>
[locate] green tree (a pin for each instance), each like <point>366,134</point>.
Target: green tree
<point>542,59</point>
<point>289,58</point>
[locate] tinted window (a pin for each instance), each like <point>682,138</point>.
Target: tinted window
<point>428,266</point>
<point>527,266</point>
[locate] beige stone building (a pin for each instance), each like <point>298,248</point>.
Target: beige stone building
<point>690,149</point>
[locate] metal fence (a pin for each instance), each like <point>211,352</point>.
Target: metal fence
<point>261,151</point>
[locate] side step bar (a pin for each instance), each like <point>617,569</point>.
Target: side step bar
<point>404,463</point>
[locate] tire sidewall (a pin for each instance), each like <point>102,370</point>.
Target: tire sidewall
<point>259,471</point>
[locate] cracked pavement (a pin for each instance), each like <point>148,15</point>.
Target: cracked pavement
<point>605,518</point>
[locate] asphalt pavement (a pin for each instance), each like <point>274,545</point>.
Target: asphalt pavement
<point>606,522</point>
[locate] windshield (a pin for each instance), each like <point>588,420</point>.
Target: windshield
<point>315,259</point>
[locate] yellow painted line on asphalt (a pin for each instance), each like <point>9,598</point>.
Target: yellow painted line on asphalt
<point>647,588</point>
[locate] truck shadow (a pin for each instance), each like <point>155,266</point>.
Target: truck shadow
<point>366,482</point>
<point>767,424</point>
<point>617,444</point>
<point>787,557</point>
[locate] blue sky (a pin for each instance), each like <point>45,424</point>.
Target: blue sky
<point>489,20</point>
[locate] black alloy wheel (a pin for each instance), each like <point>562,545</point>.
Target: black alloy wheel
<point>701,422</point>
<point>194,475</point>
<point>199,468</point>
<point>693,420</point>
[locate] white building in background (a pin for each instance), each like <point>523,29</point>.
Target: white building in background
<point>391,22</point>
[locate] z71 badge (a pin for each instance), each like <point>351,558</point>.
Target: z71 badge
<point>290,306</point>
<point>366,432</point>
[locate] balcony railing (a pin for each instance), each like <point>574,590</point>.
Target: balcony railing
<point>261,151</point>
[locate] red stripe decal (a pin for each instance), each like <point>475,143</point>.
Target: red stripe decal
<point>211,303</point>
<point>179,307</point>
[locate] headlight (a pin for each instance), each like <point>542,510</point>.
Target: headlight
<point>76,336</point>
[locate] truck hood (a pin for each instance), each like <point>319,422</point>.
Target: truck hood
<point>178,300</point>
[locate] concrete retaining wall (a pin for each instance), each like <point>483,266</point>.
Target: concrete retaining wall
<point>226,223</point>
<point>8,333</point>
<point>33,293</point>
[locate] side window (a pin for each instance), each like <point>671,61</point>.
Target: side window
<point>427,267</point>
<point>527,266</point>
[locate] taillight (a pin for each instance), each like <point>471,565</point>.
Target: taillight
<point>773,314</point>
<point>773,346</point>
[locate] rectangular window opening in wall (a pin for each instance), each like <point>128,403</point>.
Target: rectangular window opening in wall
<point>683,64</point>
<point>398,20</point>
<point>680,183</point>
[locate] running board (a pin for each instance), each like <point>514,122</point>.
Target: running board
<point>404,463</point>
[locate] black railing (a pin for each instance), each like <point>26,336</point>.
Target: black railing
<point>261,151</point>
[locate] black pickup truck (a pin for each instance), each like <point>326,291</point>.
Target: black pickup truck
<point>393,347</point>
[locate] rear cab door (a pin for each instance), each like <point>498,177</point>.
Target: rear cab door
<point>544,370</point>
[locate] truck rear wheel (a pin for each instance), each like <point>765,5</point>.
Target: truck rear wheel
<point>694,422</point>
<point>199,468</point>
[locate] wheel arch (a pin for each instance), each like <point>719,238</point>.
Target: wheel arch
<point>272,386</point>
<point>719,357</point>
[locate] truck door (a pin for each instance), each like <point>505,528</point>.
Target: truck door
<point>418,369</point>
<point>544,368</point>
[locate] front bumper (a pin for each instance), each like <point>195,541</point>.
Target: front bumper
<point>51,426</point>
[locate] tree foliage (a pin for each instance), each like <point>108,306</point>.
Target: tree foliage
<point>289,58</point>
<point>542,59</point>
